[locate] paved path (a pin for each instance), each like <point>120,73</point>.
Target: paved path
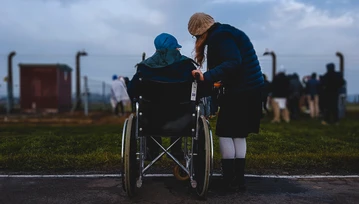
<point>169,190</point>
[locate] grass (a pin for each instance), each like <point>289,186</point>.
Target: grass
<point>48,148</point>
<point>352,107</point>
<point>303,146</point>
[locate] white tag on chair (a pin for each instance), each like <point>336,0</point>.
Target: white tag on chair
<point>194,91</point>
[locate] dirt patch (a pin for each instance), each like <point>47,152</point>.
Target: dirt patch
<point>76,118</point>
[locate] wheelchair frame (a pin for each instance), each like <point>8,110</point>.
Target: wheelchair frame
<point>132,142</point>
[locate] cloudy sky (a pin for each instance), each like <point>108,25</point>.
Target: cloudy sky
<point>304,34</point>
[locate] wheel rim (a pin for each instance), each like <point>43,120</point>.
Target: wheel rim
<point>202,169</point>
<point>122,173</point>
<point>130,158</point>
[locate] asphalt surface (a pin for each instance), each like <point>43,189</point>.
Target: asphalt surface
<point>169,190</point>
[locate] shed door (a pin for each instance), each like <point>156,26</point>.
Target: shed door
<point>44,87</point>
<point>36,87</point>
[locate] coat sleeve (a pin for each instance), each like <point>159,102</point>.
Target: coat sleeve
<point>204,87</point>
<point>228,52</point>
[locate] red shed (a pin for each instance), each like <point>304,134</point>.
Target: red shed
<point>45,87</point>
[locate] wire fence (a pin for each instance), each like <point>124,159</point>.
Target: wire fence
<point>352,99</point>
<point>98,95</point>
<point>4,100</point>
<point>100,67</point>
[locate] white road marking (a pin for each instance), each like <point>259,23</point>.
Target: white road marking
<point>171,175</point>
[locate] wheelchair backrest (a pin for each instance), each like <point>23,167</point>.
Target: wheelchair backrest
<point>166,108</point>
<point>165,92</point>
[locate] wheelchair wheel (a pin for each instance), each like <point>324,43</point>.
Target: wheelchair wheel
<point>122,154</point>
<point>129,159</point>
<point>202,161</point>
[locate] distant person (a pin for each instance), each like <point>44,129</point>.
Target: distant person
<point>205,104</point>
<point>122,79</point>
<point>119,96</point>
<point>321,97</point>
<point>280,92</point>
<point>332,81</point>
<point>265,93</point>
<point>305,104</point>
<point>295,92</point>
<point>313,88</point>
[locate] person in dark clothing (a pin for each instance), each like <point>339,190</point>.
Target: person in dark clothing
<point>280,92</point>
<point>306,104</point>
<point>166,65</point>
<point>321,97</point>
<point>231,59</point>
<point>295,92</point>
<point>265,94</point>
<point>312,88</point>
<point>332,81</point>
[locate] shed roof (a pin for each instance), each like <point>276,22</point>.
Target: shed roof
<point>59,66</point>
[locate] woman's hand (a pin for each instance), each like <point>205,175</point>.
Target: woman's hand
<point>201,78</point>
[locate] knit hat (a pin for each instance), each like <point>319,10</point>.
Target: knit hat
<point>199,23</point>
<point>166,41</point>
<point>114,77</point>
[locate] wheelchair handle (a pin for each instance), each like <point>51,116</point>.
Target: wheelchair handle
<point>197,76</point>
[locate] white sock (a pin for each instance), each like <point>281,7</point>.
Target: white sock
<point>240,146</point>
<point>226,146</point>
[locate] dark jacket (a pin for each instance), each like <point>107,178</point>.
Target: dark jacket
<point>295,86</point>
<point>332,82</point>
<point>312,87</point>
<point>280,86</point>
<point>266,89</point>
<point>231,58</point>
<point>165,66</point>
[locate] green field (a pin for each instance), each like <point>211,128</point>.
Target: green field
<point>303,146</point>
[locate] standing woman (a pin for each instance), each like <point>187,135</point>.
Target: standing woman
<point>232,60</point>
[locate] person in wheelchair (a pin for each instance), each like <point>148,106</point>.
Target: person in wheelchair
<point>165,65</point>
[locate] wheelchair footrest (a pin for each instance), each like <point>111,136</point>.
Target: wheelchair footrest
<point>194,184</point>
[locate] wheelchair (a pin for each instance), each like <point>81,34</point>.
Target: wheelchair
<point>167,110</point>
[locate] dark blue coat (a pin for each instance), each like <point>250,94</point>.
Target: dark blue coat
<point>231,58</point>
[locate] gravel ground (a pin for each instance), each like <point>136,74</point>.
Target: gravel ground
<point>169,190</point>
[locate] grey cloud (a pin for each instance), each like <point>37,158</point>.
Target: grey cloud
<point>115,33</point>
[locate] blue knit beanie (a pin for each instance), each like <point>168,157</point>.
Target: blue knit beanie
<point>114,77</point>
<point>166,41</point>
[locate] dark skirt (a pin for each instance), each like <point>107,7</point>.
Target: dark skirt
<point>239,114</point>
